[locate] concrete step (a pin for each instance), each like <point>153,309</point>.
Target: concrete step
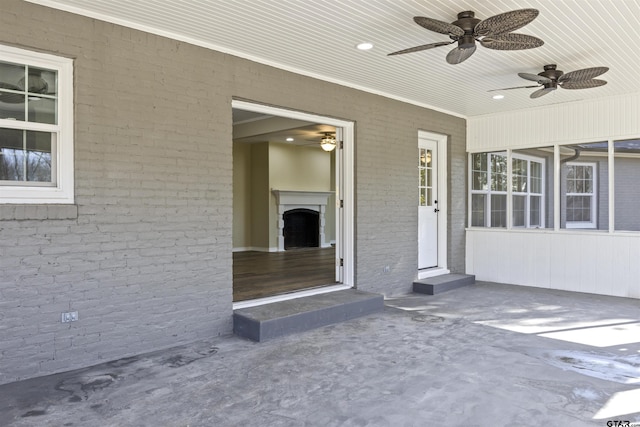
<point>281,318</point>
<point>439,284</point>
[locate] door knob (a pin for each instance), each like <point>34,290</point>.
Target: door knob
<point>436,210</point>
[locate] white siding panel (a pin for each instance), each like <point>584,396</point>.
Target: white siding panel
<point>596,263</point>
<point>589,120</point>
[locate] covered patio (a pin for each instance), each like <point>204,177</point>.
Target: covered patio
<point>484,355</point>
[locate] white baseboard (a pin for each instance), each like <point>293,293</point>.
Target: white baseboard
<point>255,248</point>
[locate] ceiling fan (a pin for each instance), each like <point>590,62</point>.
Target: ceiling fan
<point>551,79</point>
<point>493,33</point>
<point>36,85</point>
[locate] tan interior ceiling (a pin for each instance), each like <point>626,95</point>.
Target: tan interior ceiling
<point>250,127</point>
<point>318,38</point>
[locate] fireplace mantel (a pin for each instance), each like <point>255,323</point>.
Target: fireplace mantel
<point>287,200</point>
<point>289,197</point>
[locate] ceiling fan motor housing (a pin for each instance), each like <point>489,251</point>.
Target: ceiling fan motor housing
<point>550,72</point>
<point>467,21</point>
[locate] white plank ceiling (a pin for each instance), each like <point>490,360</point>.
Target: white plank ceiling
<point>318,38</point>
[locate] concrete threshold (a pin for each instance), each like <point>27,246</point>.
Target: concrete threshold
<point>281,318</point>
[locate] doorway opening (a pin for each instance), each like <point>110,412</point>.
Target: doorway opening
<point>292,204</point>
<point>432,204</point>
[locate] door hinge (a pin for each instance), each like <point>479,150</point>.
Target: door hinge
<point>342,203</point>
<point>341,145</point>
<point>341,262</point>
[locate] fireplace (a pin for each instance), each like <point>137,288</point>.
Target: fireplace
<point>301,229</point>
<point>297,210</point>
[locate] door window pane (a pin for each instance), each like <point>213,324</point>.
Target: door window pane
<point>425,177</point>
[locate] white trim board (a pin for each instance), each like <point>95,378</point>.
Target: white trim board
<point>345,131</point>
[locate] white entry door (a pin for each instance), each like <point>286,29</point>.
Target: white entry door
<point>427,203</point>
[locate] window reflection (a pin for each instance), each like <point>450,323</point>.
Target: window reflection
<point>35,87</point>
<point>25,156</point>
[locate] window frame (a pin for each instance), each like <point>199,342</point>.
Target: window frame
<point>594,198</point>
<point>489,192</point>
<point>62,190</point>
<point>508,193</point>
<point>529,194</point>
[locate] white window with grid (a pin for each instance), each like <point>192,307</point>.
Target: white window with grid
<point>489,190</point>
<point>581,207</point>
<point>36,128</point>
<point>527,191</point>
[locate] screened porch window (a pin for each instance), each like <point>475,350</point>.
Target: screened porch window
<point>490,185</point>
<point>581,195</point>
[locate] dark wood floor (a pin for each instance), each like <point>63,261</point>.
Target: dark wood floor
<point>263,274</point>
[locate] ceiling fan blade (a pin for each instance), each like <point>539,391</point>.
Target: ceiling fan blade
<point>4,85</point>
<point>438,26</point>
<point>541,92</point>
<point>419,48</point>
<point>584,74</point>
<point>534,77</point>
<point>516,87</point>
<point>460,54</point>
<point>511,41</point>
<point>9,97</point>
<point>505,22</point>
<point>12,98</point>
<point>582,84</point>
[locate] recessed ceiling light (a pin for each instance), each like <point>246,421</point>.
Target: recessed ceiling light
<point>498,96</point>
<point>365,46</point>
<point>289,139</point>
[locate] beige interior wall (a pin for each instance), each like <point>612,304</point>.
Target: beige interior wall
<point>265,166</point>
<point>260,195</point>
<point>295,168</point>
<point>241,195</point>
<point>299,168</point>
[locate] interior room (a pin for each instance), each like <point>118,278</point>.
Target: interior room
<point>284,231</point>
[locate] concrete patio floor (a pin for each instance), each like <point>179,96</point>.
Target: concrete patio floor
<point>484,355</point>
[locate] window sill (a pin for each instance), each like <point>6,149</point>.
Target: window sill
<point>37,212</point>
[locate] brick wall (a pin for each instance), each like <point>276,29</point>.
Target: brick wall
<point>145,255</point>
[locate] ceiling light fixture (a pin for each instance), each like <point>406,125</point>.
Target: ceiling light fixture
<point>328,143</point>
<point>289,139</point>
<point>365,46</point>
<point>498,96</point>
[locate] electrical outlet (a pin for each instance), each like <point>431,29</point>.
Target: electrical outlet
<point>70,316</point>
<point>386,269</point>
